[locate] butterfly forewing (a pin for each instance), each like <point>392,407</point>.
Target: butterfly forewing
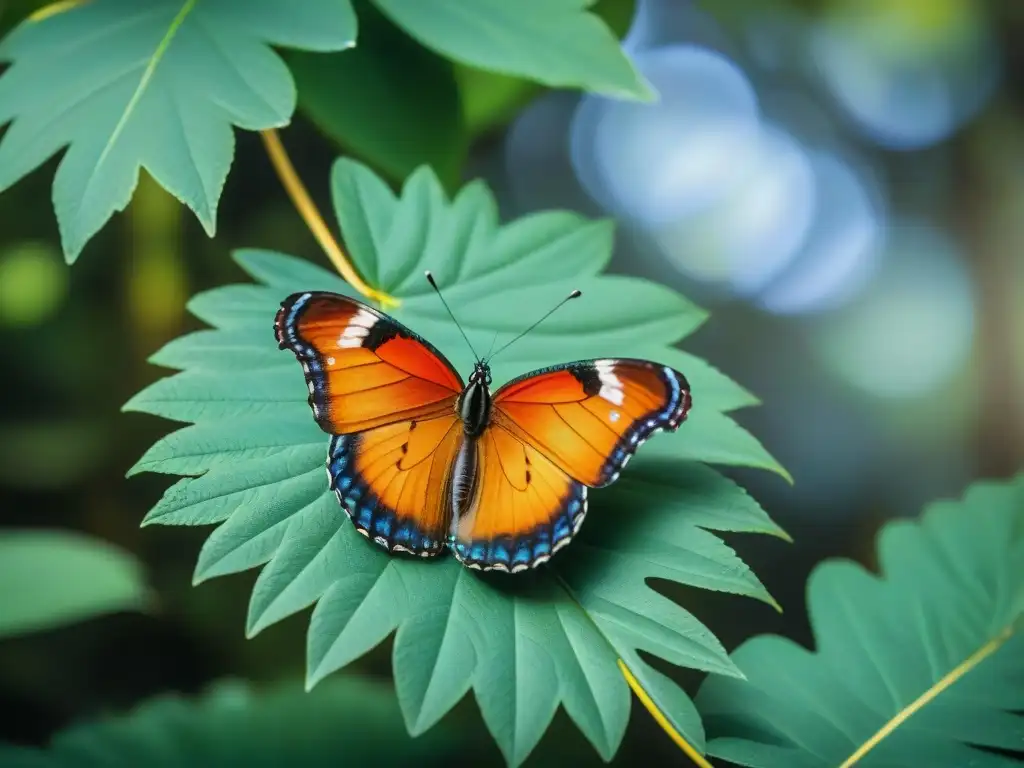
<point>589,417</point>
<point>363,369</point>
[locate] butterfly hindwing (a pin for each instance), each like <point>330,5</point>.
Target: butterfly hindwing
<point>589,417</point>
<point>516,508</point>
<point>394,482</point>
<point>363,369</point>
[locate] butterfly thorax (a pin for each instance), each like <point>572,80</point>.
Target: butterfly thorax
<point>475,401</point>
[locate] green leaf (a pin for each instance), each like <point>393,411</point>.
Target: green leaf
<point>490,100</point>
<point>921,664</point>
<point>50,578</point>
<point>555,42</point>
<point>389,100</point>
<point>346,721</point>
<point>156,85</point>
<point>526,645</point>
<point>717,439</point>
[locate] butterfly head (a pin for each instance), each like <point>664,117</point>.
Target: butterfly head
<point>481,373</point>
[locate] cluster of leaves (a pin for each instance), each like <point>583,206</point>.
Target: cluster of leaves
<point>159,85</point>
<point>920,665</point>
<point>54,578</point>
<point>348,720</point>
<point>923,664</point>
<point>525,644</point>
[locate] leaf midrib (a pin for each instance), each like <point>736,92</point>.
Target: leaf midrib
<point>140,89</point>
<point>929,695</point>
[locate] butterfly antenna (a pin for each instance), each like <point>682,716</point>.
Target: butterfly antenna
<point>573,295</point>
<point>433,284</point>
<point>487,355</point>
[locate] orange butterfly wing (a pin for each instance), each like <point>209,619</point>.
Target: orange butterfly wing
<point>395,482</point>
<point>589,417</point>
<point>388,399</point>
<point>363,369</point>
<point>519,509</point>
<point>552,434</point>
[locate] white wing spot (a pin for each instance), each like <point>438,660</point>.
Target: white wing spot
<point>356,330</point>
<point>614,416</point>
<point>611,386</point>
<point>331,361</point>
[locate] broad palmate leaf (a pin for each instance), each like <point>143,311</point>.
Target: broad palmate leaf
<point>157,84</point>
<point>346,722</point>
<point>524,644</point>
<point>49,578</point>
<point>921,665</point>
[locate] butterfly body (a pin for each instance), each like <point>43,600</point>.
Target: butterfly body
<point>475,402</point>
<point>422,462</point>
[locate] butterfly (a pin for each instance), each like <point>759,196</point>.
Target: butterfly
<point>422,461</point>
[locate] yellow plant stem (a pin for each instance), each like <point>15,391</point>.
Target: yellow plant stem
<point>53,9</point>
<point>311,215</point>
<point>955,674</point>
<point>660,718</point>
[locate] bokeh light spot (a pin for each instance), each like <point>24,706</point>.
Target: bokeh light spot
<point>912,328</point>
<point>840,252</point>
<point>905,85</point>
<point>757,228</point>
<point>33,284</point>
<point>655,163</point>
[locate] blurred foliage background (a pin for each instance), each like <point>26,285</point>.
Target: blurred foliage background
<point>840,181</point>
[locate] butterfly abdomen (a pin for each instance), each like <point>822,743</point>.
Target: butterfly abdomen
<point>464,474</point>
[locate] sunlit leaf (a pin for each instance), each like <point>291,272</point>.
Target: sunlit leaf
<point>156,85</point>
<point>555,42</point>
<point>49,578</point>
<point>524,645</point>
<point>922,664</point>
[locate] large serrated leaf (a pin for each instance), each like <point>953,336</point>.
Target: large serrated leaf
<point>524,645</point>
<point>919,665</point>
<point>155,85</point>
